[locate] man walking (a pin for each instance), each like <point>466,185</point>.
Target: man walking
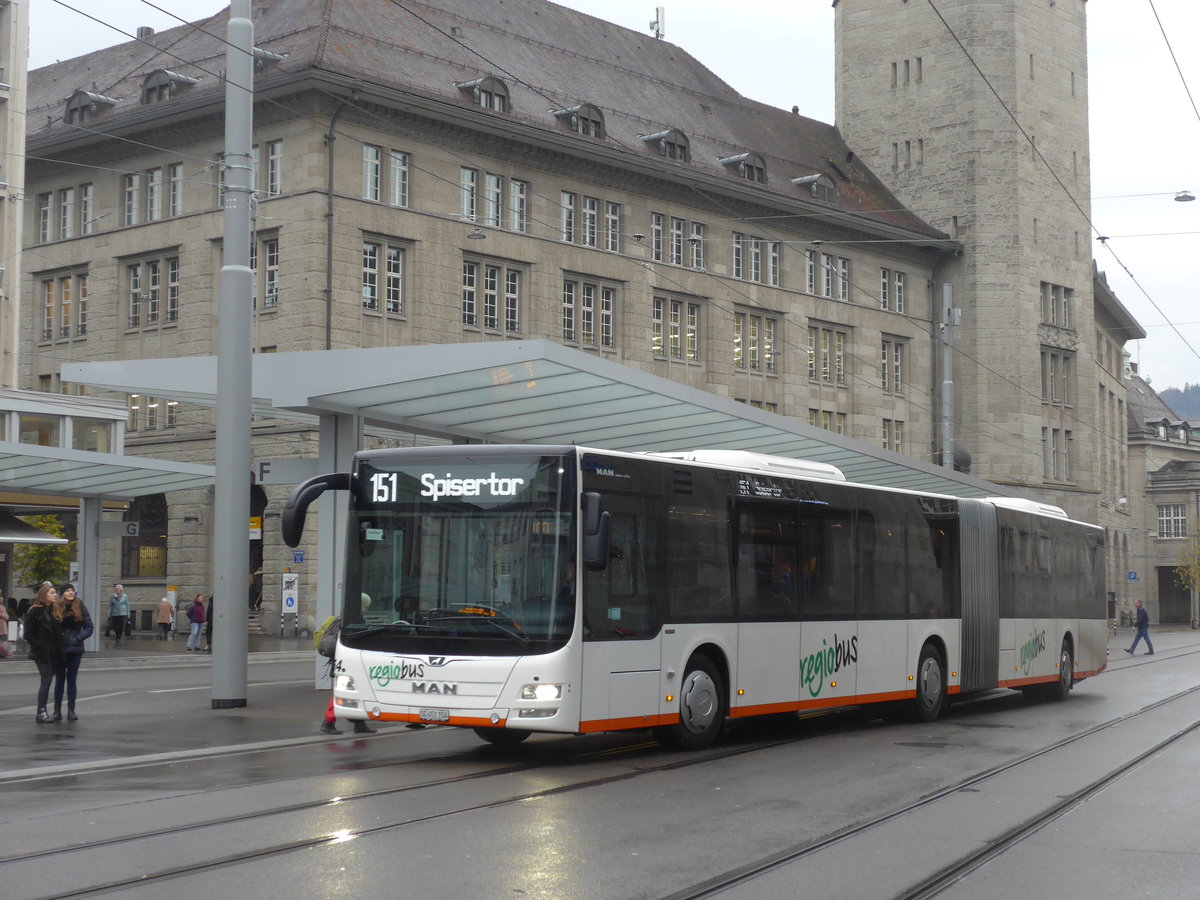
<point>1143,630</point>
<point>118,611</point>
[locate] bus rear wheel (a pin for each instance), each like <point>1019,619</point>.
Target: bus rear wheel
<point>1061,689</point>
<point>701,708</point>
<point>931,685</point>
<point>502,737</point>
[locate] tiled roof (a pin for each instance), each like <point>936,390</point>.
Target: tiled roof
<point>550,58</point>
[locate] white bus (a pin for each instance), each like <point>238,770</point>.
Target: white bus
<point>520,589</point>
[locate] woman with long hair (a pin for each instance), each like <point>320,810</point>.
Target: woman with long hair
<point>76,628</point>
<point>43,631</point>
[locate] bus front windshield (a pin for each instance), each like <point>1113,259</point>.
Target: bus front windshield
<point>461,554</point>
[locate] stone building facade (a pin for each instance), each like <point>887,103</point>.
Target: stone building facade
<point>451,179</point>
<point>976,114</point>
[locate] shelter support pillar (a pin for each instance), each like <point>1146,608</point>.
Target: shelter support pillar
<point>340,439</point>
<point>89,567</point>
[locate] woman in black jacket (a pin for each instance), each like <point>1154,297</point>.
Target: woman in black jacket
<point>76,628</point>
<point>43,632</point>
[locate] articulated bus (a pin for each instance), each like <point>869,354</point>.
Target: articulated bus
<point>520,589</point>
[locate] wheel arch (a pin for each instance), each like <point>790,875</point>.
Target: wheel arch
<point>719,658</point>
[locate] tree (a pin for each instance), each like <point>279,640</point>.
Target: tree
<point>35,563</point>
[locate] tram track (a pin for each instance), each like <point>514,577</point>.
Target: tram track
<point>710,887</point>
<point>950,874</point>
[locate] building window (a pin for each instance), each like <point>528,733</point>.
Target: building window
<point>1172,520</point>
<point>398,178</point>
<point>747,165</point>
<point>588,309</point>
<point>161,85</point>
<point>43,217</point>
<point>131,190</point>
<point>676,241</point>
<point>493,199</point>
<point>87,214</point>
<point>1057,452</point>
<point>81,305</point>
<point>567,215</point>
<point>827,419</point>
<point>518,205</point>
<point>754,342</point>
<point>383,277</point>
<point>810,271</point>
<point>66,213</point>
<point>697,242</point>
<point>266,280</point>
<point>590,227</point>
<point>489,92</point>
<point>492,296</point>
<point>49,308</point>
<point>891,367</point>
<point>673,144</point>
<point>1058,373</point>
<point>468,189</point>
<point>612,226</point>
<point>148,282</point>
<point>372,173</point>
<point>274,180</point>
<point>893,435</point>
<point>748,251</point>
<point>892,289</point>
<point>676,329</point>
<point>657,221</point>
<point>154,186</point>
<point>819,187</point>
<point>899,285</point>
<point>583,119</point>
<point>827,354</point>
<point>145,556</point>
<point>1057,302</point>
<point>843,292</point>
<point>175,189</point>
<point>885,288</point>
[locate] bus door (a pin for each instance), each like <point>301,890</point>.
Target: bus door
<point>766,576</point>
<point>829,638</point>
<point>621,623</point>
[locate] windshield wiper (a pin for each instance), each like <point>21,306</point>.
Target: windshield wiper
<point>515,635</point>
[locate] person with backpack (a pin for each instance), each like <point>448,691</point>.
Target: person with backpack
<point>195,614</point>
<point>118,612</point>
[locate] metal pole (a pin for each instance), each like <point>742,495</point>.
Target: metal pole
<point>231,521</point>
<point>949,321</point>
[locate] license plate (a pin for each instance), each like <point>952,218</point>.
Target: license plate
<point>433,715</point>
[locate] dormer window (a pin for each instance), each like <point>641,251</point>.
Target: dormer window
<point>750,166</point>
<point>489,92</point>
<point>673,144</point>
<point>820,186</point>
<point>85,105</point>
<point>161,85</point>
<point>583,119</point>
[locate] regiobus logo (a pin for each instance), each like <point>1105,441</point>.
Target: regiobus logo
<point>493,485</point>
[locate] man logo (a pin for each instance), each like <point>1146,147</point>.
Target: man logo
<point>437,660</point>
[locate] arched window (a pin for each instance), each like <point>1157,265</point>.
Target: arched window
<point>820,186</point>
<point>585,118</point>
<point>145,556</point>
<point>489,92</point>
<point>749,165</point>
<point>161,85</point>
<point>672,143</point>
<point>84,105</point>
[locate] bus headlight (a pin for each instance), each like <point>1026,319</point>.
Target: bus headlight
<point>344,683</point>
<point>541,692</point>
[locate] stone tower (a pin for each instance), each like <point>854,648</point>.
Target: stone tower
<point>975,112</point>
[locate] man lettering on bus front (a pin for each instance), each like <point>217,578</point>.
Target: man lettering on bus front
<point>1143,629</point>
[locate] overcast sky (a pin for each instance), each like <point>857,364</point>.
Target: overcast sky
<point>1145,126</point>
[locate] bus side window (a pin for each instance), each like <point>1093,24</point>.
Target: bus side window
<point>766,563</point>
<point>617,601</point>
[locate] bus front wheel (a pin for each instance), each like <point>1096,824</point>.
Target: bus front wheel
<point>701,708</point>
<point>931,685</point>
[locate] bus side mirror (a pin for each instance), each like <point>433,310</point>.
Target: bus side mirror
<point>595,533</point>
<point>296,508</point>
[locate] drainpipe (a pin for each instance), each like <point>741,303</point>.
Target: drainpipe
<point>330,137</point>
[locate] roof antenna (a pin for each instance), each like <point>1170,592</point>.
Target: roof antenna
<point>659,25</point>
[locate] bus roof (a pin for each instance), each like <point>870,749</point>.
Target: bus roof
<point>758,462</point>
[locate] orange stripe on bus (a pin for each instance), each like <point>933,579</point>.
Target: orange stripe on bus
<point>465,721</point>
<point>627,723</point>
